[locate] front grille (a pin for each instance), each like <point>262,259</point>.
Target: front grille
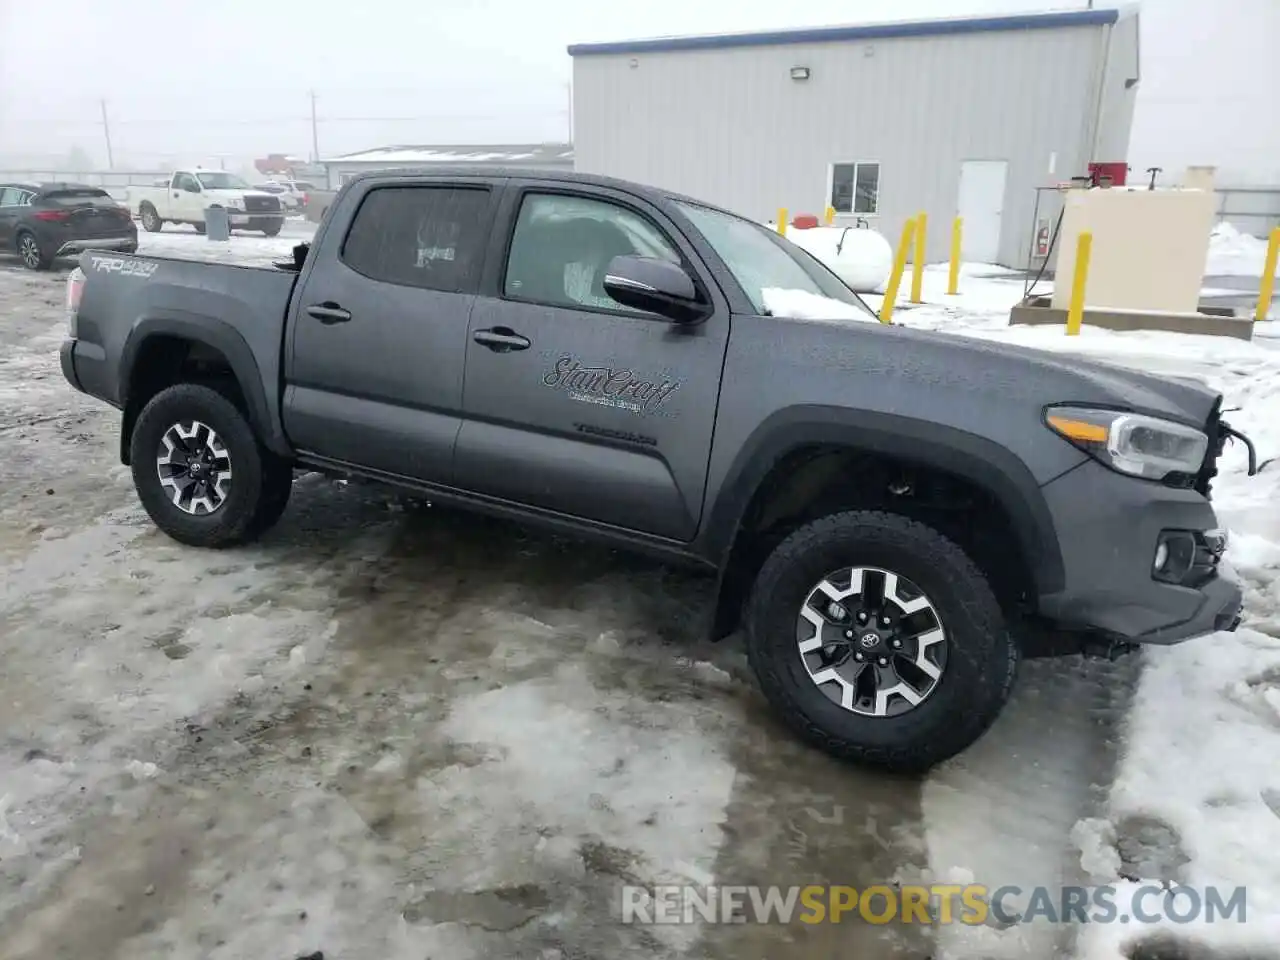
<point>261,205</point>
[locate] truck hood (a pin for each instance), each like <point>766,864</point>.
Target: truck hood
<point>229,193</point>
<point>1179,398</point>
<point>960,366</point>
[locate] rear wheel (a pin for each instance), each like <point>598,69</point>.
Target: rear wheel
<point>200,472</point>
<point>151,221</point>
<point>879,640</point>
<point>31,254</point>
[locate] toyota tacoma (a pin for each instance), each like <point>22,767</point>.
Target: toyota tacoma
<point>892,515</point>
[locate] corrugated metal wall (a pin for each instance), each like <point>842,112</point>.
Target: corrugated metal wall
<point>731,126</point>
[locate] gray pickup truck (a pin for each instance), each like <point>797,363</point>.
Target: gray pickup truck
<point>892,514</point>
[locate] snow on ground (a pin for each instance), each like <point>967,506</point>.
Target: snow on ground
<point>182,241</point>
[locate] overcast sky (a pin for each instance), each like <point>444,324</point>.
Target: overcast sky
<point>187,82</point>
<point>233,76</point>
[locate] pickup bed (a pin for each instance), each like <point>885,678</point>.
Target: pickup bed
<point>893,515</point>
<point>187,194</point>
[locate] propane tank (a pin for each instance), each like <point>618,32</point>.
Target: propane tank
<point>859,256</point>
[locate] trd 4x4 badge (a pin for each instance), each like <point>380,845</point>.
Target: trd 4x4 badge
<point>609,386</point>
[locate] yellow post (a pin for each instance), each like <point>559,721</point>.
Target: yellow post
<point>830,217</point>
<point>899,267</point>
<point>917,262</point>
<point>953,277</point>
<point>782,220</point>
<point>1268,276</point>
<point>1075,313</point>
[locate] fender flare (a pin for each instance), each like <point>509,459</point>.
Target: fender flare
<point>977,459</point>
<point>210,332</point>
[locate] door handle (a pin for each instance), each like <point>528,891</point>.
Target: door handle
<point>329,313</point>
<point>501,339</point>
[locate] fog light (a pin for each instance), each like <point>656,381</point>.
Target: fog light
<point>1175,553</point>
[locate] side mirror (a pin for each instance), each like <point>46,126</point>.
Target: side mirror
<point>655,286</point>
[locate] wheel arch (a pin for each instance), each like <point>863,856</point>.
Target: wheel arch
<point>164,350</point>
<point>776,444</point>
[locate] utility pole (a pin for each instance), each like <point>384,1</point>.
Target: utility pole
<point>569,87</point>
<point>106,133</point>
<point>315,132</point>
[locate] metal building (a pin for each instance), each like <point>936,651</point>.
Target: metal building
<point>880,121</point>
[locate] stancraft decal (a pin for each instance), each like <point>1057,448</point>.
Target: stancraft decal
<point>609,386</point>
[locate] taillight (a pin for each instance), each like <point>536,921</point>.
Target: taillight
<point>54,216</point>
<point>75,290</point>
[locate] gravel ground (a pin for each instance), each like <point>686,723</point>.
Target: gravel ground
<point>393,731</point>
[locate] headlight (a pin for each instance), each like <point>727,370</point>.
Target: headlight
<point>1131,443</point>
<point>236,203</point>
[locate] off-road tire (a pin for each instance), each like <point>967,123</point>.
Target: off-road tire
<point>257,496</point>
<point>150,217</point>
<point>982,657</point>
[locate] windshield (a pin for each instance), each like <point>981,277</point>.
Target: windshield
<point>222,181</point>
<point>760,260</point>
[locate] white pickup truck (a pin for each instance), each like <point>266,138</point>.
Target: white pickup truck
<point>184,197</point>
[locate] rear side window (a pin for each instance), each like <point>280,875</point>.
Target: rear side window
<point>77,198</point>
<point>429,237</point>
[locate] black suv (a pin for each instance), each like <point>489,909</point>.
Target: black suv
<point>43,221</point>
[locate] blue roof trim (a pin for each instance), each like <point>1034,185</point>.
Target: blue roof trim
<point>873,31</point>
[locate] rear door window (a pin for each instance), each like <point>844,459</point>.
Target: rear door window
<point>429,236</point>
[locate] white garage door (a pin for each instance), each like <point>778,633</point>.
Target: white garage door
<point>982,207</point>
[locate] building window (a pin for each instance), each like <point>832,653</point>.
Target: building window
<point>855,188</point>
<point>428,237</point>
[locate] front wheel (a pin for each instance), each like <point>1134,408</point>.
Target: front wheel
<point>879,640</point>
<point>200,472</point>
<point>273,230</point>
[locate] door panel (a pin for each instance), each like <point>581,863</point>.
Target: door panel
<point>376,354</point>
<point>981,204</point>
<point>607,415</point>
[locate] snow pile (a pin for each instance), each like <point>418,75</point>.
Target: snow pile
<point>1234,254</point>
<point>802,305</point>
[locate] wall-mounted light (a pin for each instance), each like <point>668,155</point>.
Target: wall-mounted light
<point>799,73</point>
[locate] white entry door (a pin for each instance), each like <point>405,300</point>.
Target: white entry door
<point>982,207</point>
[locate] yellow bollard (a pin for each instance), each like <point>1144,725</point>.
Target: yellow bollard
<point>1268,276</point>
<point>782,220</point>
<point>899,267</point>
<point>957,237</point>
<point>830,217</point>
<point>917,262</point>
<point>1075,313</point>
